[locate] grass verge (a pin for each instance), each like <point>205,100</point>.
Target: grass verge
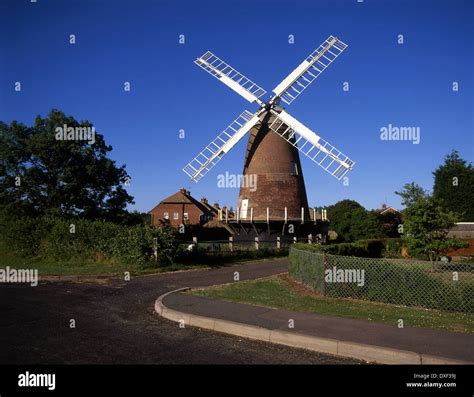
<point>280,292</point>
<point>86,267</point>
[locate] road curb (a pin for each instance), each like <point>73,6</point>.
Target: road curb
<point>370,353</point>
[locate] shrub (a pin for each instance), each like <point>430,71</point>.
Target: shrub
<point>23,235</point>
<point>373,248</point>
<point>96,240</point>
<point>393,248</point>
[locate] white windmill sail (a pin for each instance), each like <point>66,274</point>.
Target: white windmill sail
<point>226,140</point>
<point>311,145</point>
<point>230,77</point>
<point>300,78</point>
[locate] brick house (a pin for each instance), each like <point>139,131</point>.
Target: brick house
<point>182,208</point>
<point>387,210</point>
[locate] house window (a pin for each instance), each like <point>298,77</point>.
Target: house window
<point>166,215</point>
<point>185,216</point>
<point>175,215</point>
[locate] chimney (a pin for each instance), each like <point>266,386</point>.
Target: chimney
<point>204,200</point>
<point>216,206</point>
<point>184,191</point>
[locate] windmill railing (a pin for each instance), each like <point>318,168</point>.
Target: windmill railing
<point>268,215</point>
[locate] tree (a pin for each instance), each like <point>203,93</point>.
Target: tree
<point>426,224</point>
<point>411,193</point>
<point>42,174</point>
<point>351,221</point>
<point>454,185</point>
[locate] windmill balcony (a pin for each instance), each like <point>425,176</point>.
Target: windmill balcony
<point>273,215</point>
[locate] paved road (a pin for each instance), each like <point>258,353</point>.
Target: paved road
<point>115,324</point>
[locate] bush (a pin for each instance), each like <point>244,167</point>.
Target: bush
<point>347,249</point>
<point>23,235</point>
<point>135,245</point>
<point>393,248</point>
<point>81,239</point>
<point>373,248</point>
<point>78,239</point>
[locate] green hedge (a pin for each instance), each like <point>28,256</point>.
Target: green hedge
<point>401,282</point>
<point>64,240</point>
<point>373,248</point>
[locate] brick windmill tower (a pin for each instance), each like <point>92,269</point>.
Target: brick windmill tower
<point>272,159</point>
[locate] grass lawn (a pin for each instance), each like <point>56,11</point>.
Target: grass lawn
<point>282,293</point>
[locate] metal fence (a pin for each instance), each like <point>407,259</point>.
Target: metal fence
<point>439,285</point>
<point>254,244</point>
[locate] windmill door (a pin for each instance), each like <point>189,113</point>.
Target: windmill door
<point>244,208</point>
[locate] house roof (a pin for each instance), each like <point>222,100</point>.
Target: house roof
<point>183,197</point>
<point>178,198</point>
<point>387,209</point>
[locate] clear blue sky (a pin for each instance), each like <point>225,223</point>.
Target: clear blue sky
<point>137,41</point>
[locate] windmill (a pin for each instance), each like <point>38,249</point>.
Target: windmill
<point>275,140</point>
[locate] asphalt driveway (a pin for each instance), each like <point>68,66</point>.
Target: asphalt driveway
<point>115,323</point>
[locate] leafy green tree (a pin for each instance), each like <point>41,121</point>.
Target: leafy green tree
<point>454,185</point>
<point>42,175</point>
<point>426,224</point>
<point>411,193</point>
<point>351,221</point>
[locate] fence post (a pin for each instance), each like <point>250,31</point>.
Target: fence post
<point>310,238</point>
<point>256,243</point>
<point>324,272</point>
<point>278,243</point>
<point>155,248</point>
<point>195,242</point>
<point>231,243</point>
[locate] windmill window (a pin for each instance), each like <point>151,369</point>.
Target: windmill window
<point>166,215</point>
<point>176,216</point>
<point>293,168</point>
